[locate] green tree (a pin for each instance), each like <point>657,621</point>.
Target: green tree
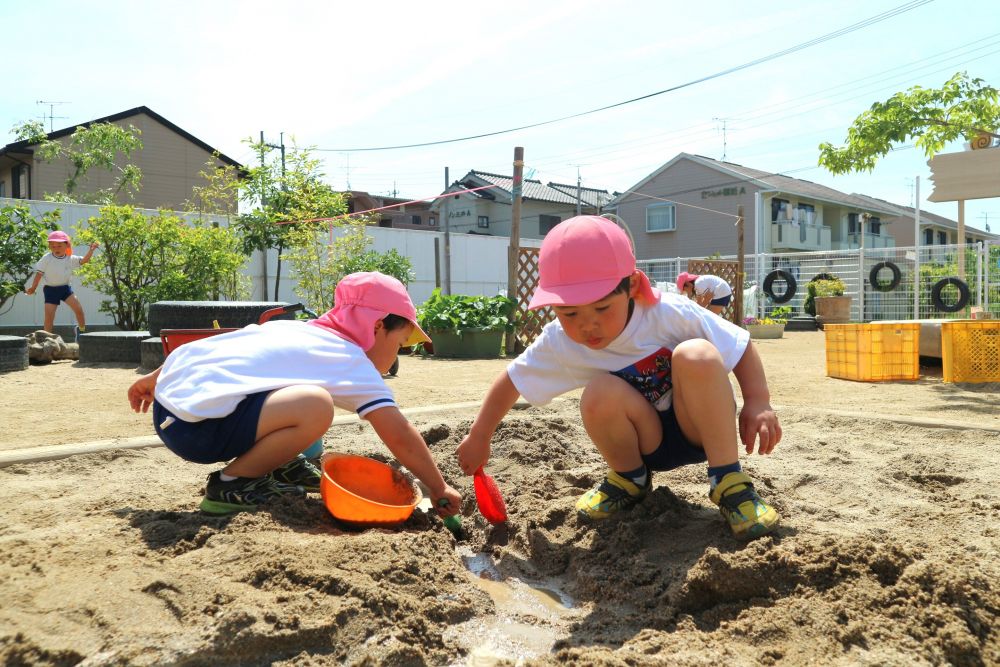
<point>145,260</point>
<point>933,117</point>
<point>318,263</point>
<point>22,244</point>
<point>220,194</point>
<point>101,145</point>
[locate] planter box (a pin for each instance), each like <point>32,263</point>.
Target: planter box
<point>758,331</point>
<point>470,344</point>
<point>833,309</point>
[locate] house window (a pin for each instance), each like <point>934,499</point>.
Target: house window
<point>547,222</point>
<point>875,226</point>
<point>415,220</point>
<point>483,222</point>
<point>3,191</point>
<point>805,213</point>
<point>928,237</point>
<point>19,182</point>
<point>432,221</point>
<point>852,223</point>
<point>943,238</point>
<point>779,209</point>
<point>661,218</point>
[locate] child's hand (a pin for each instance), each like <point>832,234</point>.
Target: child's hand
<point>140,394</point>
<point>453,504</point>
<point>472,454</point>
<point>94,246</point>
<point>758,420</point>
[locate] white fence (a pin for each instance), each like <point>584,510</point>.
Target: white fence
<point>478,266</point>
<point>982,275</point>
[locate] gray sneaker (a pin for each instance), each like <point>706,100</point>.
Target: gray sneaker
<point>299,472</point>
<point>243,493</point>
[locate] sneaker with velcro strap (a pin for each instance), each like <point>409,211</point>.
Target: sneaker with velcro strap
<point>615,494</point>
<point>748,516</point>
<point>299,472</point>
<point>243,494</point>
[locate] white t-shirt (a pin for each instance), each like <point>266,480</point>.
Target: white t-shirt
<point>640,355</point>
<point>207,378</point>
<point>57,271</point>
<point>714,284</point>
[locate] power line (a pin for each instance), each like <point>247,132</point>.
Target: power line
<point>913,4</point>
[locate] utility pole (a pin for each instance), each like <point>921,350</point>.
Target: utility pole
<point>579,203</point>
<point>916,249</point>
<point>51,110</point>
<point>263,259</point>
<point>447,236</point>
<point>514,249</point>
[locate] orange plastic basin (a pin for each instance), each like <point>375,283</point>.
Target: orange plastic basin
<point>363,491</point>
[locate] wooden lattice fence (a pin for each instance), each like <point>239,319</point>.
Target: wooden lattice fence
<point>728,271</point>
<point>529,322</point>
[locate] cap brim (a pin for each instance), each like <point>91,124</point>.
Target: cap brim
<point>577,294</point>
<point>416,336</point>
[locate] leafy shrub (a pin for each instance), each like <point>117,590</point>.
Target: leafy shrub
<point>457,312</point>
<point>778,316</point>
<point>829,285</point>
<point>22,244</point>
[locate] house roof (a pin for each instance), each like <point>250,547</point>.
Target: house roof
<point>24,147</point>
<point>768,181</point>
<point>534,189</point>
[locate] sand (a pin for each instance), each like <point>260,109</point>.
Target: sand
<point>887,552</point>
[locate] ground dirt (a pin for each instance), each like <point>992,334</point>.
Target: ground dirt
<point>887,552</point>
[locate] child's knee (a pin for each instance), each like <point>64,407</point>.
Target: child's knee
<point>696,352</point>
<point>605,394</point>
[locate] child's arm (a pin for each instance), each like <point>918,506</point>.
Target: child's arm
<point>90,252</point>
<point>757,418</point>
<point>34,283</point>
<point>140,394</point>
<point>474,451</point>
<point>409,448</point>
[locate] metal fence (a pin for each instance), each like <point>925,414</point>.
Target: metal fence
<point>977,265</point>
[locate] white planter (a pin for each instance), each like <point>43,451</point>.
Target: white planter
<point>759,331</point>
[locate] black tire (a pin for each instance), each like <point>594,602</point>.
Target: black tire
<point>114,346</point>
<point>13,353</point>
<point>893,282</point>
<point>151,353</point>
<point>200,314</point>
<point>789,279</point>
<point>963,295</point>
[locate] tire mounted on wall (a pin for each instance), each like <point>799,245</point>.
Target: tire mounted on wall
<point>893,283</point>
<point>790,290</point>
<point>963,294</point>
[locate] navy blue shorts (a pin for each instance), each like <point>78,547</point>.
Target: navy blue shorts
<point>674,450</point>
<point>56,293</point>
<point>722,300</point>
<point>212,440</point>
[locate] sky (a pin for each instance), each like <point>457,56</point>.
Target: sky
<point>341,76</point>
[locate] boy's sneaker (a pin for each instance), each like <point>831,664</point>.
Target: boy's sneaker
<point>243,493</point>
<point>77,331</point>
<point>747,514</point>
<point>614,494</point>
<point>299,472</point>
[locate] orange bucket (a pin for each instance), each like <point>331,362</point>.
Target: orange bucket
<point>360,490</point>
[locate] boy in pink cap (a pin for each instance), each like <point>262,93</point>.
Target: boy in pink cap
<point>654,368</point>
<point>258,397</point>
<point>56,267</point>
<point>712,292</point>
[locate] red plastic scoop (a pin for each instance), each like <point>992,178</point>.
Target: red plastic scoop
<point>489,498</point>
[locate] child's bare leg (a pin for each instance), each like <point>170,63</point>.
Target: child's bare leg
<point>50,316</point>
<point>703,400</point>
<point>716,309</point>
<point>620,421</point>
<point>77,309</point>
<point>291,419</point>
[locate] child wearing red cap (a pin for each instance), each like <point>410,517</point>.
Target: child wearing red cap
<point>57,267</point>
<point>654,368</point>
<point>260,396</point>
<point>708,291</point>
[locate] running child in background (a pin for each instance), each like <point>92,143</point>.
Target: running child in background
<point>708,291</point>
<point>56,267</point>
<point>654,368</point>
<point>258,397</point>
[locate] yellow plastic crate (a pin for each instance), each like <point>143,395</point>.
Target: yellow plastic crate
<point>970,351</point>
<point>873,352</point>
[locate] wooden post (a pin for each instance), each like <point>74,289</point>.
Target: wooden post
<point>961,239</point>
<point>437,262</point>
<point>740,274</point>
<point>513,250</point>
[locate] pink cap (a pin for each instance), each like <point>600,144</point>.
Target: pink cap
<point>363,298</point>
<point>684,279</point>
<point>58,237</point>
<point>582,260</point>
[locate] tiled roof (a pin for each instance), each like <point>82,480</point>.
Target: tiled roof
<point>552,192</point>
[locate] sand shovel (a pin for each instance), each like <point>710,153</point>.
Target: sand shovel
<point>489,498</point>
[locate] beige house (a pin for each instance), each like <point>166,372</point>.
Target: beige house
<point>488,211</point>
<point>687,208</point>
<point>934,229</point>
<point>404,214</point>
<point>170,160</point>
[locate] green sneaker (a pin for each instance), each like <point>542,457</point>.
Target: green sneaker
<point>614,494</point>
<point>299,472</point>
<point>747,514</point>
<point>243,493</point>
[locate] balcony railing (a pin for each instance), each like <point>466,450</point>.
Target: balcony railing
<point>853,242</point>
<point>789,235</point>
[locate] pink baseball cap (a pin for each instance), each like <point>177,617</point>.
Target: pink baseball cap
<point>684,279</point>
<point>582,260</point>
<point>363,298</point>
<point>58,237</point>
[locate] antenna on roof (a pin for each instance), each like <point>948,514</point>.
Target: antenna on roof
<point>723,121</point>
<point>51,110</point>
